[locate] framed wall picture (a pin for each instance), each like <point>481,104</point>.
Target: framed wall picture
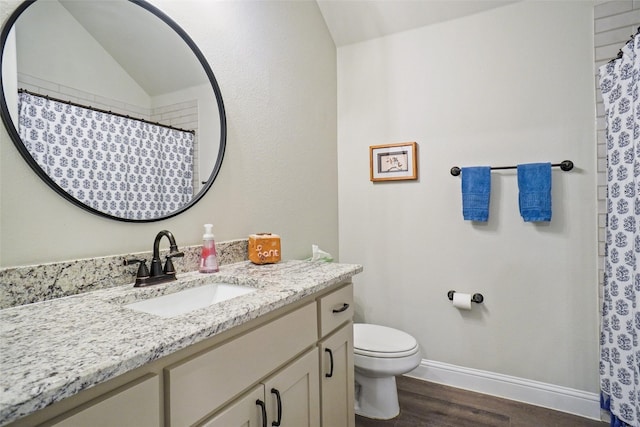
<point>393,162</point>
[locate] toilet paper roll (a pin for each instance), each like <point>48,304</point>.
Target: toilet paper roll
<point>462,301</point>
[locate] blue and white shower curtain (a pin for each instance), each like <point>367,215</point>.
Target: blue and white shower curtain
<point>121,166</point>
<point>620,328</point>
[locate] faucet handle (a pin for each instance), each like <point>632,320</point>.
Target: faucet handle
<point>143,271</point>
<point>168,265</point>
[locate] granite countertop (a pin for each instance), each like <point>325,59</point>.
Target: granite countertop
<point>54,349</point>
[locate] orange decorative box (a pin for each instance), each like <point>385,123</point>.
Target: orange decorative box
<point>264,248</point>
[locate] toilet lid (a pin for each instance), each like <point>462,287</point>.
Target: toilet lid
<point>382,341</point>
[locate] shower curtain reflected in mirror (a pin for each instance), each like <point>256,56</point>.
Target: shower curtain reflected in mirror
<point>121,166</point>
<point>620,328</point>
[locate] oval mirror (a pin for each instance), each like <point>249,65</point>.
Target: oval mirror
<point>113,105</point>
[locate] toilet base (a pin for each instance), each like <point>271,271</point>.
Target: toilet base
<point>376,398</point>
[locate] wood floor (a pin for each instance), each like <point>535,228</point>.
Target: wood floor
<point>425,404</point>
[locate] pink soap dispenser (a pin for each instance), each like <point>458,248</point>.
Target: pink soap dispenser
<point>209,257</point>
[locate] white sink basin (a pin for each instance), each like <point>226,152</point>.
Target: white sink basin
<point>182,302</point>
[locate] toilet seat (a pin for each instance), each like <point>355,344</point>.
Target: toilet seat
<point>383,342</point>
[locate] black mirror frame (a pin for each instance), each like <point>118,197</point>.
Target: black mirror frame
<point>17,141</point>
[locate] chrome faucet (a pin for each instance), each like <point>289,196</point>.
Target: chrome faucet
<point>158,274</point>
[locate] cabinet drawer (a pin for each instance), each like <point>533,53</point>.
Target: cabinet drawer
<point>136,404</point>
<point>201,385</point>
<point>335,309</point>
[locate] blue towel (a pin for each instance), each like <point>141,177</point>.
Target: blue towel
<point>534,183</point>
<point>476,189</point>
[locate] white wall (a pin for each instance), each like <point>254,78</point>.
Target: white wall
<point>511,85</point>
<point>275,64</point>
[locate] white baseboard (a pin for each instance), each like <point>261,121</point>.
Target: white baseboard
<point>577,402</point>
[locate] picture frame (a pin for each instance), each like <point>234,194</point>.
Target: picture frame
<point>393,162</point>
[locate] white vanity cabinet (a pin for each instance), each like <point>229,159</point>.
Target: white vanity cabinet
<point>336,354</point>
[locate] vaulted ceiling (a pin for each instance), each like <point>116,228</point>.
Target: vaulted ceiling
<point>352,21</point>
<point>348,21</point>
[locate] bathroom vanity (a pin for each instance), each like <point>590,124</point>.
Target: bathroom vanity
<point>281,353</point>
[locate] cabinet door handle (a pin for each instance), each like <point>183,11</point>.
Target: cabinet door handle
<point>344,307</point>
<point>263,407</point>
<point>279,402</point>
<point>330,374</point>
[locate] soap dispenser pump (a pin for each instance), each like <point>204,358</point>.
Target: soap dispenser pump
<point>209,257</point>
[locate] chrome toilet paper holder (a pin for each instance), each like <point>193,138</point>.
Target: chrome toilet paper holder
<point>477,298</point>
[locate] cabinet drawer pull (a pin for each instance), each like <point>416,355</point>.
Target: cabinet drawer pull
<point>263,407</point>
<point>330,374</point>
<point>344,307</point>
<point>279,402</point>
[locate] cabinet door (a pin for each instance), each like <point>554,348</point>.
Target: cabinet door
<point>244,412</point>
<point>293,396</point>
<point>336,378</point>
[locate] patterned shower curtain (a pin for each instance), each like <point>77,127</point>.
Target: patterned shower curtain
<point>118,165</point>
<point>620,328</point>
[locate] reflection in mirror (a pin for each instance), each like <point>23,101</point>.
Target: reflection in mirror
<point>113,105</point>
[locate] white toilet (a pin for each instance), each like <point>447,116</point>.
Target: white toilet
<point>379,354</point>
